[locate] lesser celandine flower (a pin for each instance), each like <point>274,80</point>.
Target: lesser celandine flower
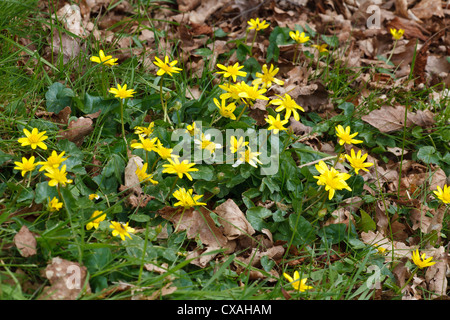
<point>231,71</point>
<point>163,152</point>
<point>102,58</point>
<point>321,48</point>
<point>54,205</point>
<point>231,91</point>
<point>397,34</point>
<point>298,37</point>
<point>288,104</point>
<point>96,217</point>
<point>226,110</point>
<point>443,195</point>
<point>54,161</point>
<point>166,66</point>
<point>121,92</point>
<point>267,77</point>
<point>357,161</point>
<point>251,92</point>
<point>237,145</point>
<point>421,260</point>
<point>297,283</point>
<point>249,157</point>
<point>145,131</point>
<point>93,196</point>
<point>276,124</point>
<point>146,144</point>
<point>120,229</point>
<point>256,24</point>
<point>205,143</point>
<point>192,129</point>
<point>179,168</point>
<point>27,165</point>
<point>332,179</point>
<point>33,139</point>
<point>345,136</point>
<point>143,176</point>
<point>57,176</point>
<point>186,199</point>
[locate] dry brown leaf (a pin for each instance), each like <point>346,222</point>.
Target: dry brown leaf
<point>233,220</point>
<point>436,275</point>
<point>78,130</point>
<point>67,280</point>
<point>425,9</point>
<point>198,225</point>
<point>25,242</point>
<point>389,119</point>
<point>377,239</point>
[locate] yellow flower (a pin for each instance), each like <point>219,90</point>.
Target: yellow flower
<point>54,161</point>
<point>180,168</point>
<point>226,110</point>
<point>321,48</point>
<point>163,152</point>
<point>205,143</point>
<point>144,131</point>
<point>443,195</point>
<point>231,71</point>
<point>276,124</point>
<point>120,229</point>
<point>146,144</point>
<point>191,129</point>
<point>93,196</point>
<point>26,165</point>
<point>122,92</point>
<point>257,25</point>
<point>33,139</point>
<point>332,179</point>
<point>54,204</point>
<point>249,157</point>
<point>236,145</point>
<point>57,176</point>
<point>397,34</point>
<point>345,136</point>
<point>288,104</point>
<point>108,60</point>
<point>251,92</point>
<point>298,37</point>
<point>142,174</point>
<point>420,260</point>
<point>232,91</point>
<point>296,283</point>
<point>186,199</point>
<point>267,77</point>
<point>96,217</point>
<point>166,66</point>
<point>357,161</point>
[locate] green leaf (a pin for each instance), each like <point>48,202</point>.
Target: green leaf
<point>428,154</point>
<point>366,223</point>
<point>45,192</point>
<point>303,231</point>
<point>204,173</point>
<point>58,97</point>
<point>256,216</point>
<point>333,233</point>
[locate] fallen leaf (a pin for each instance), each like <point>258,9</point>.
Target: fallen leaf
<point>67,280</point>
<point>77,130</point>
<point>436,275</point>
<point>233,220</point>
<point>426,9</point>
<point>25,242</point>
<point>389,119</point>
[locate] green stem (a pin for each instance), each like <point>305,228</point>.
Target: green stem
<point>253,42</point>
<point>122,107</point>
<point>295,53</point>
<point>401,157</point>
<point>242,112</point>
<point>143,255</point>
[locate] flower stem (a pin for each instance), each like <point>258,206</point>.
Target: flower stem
<point>121,120</point>
<point>253,42</point>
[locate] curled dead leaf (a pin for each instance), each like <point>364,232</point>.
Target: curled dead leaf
<point>233,220</point>
<point>67,280</point>
<point>25,242</point>
<point>77,130</point>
